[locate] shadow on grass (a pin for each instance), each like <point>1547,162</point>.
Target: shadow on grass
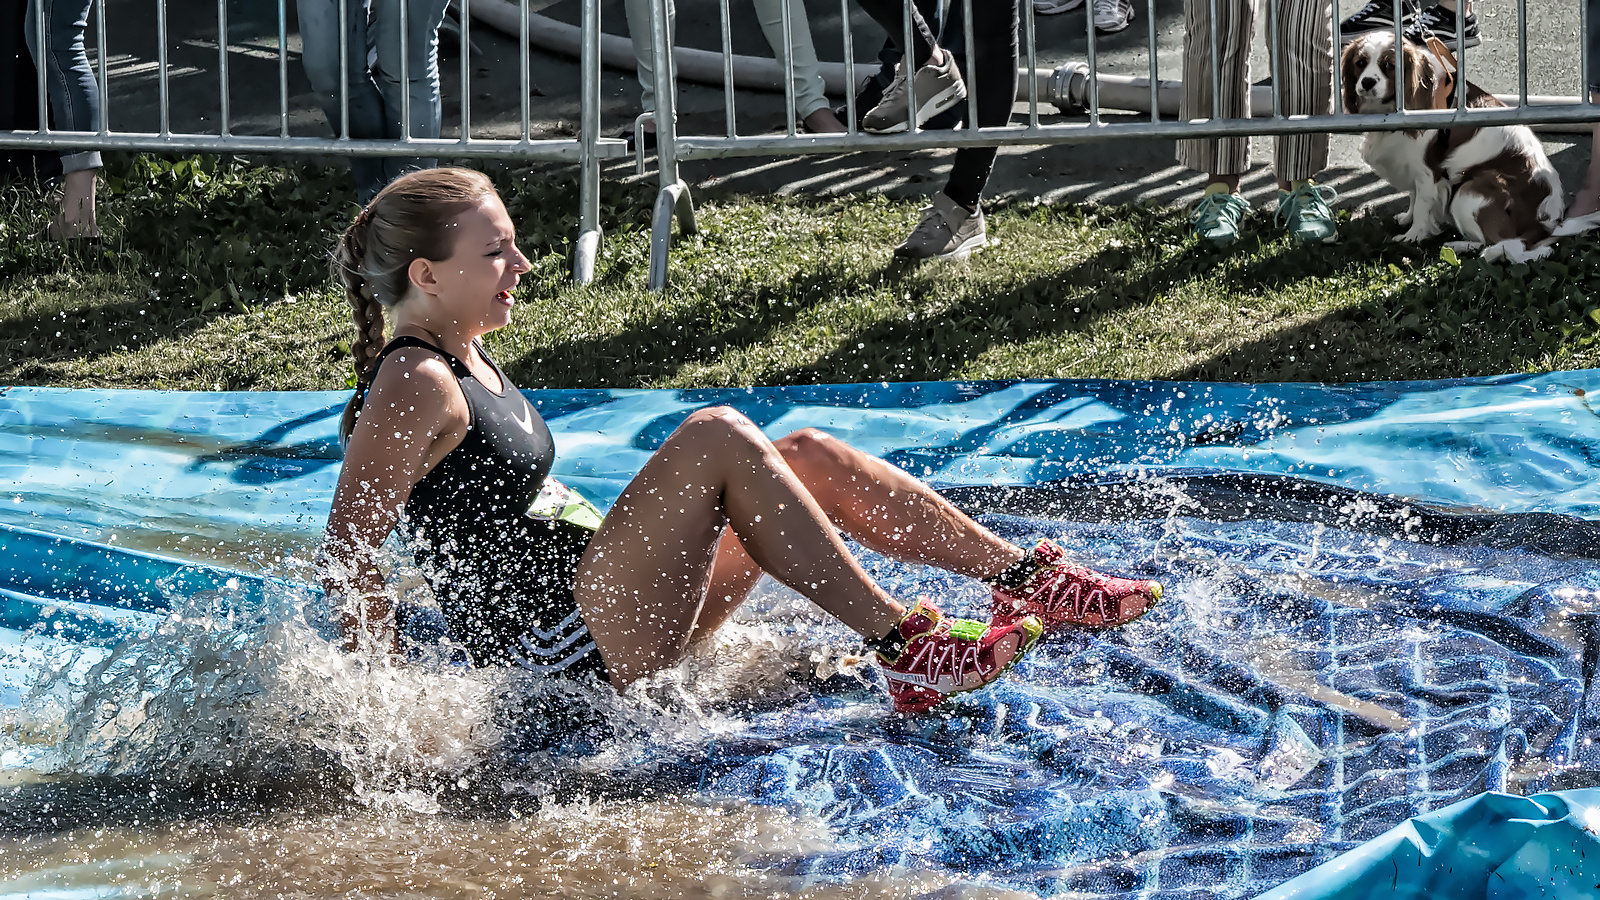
<point>1474,319</point>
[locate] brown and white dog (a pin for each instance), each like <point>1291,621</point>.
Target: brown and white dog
<point>1494,183</point>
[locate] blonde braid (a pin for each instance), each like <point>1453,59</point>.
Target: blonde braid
<point>365,310</point>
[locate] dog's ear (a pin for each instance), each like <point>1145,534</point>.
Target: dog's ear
<point>1420,77</point>
<point>1347,74</point>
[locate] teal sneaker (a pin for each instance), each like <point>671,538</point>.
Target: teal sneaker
<point>1216,217</point>
<point>1305,213</point>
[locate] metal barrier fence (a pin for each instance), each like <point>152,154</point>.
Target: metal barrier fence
<point>1079,88</point>
<point>1075,88</point>
<point>587,150</point>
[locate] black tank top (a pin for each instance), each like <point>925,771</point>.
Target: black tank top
<point>502,577</point>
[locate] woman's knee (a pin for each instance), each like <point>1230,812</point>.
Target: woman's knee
<point>718,424</point>
<point>812,451</point>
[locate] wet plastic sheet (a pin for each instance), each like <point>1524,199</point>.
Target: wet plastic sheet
<point>1380,602</point>
<point>1494,846</point>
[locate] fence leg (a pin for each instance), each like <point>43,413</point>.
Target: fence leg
<point>673,202</point>
<point>589,233</point>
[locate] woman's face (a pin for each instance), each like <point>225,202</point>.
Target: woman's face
<point>472,288</point>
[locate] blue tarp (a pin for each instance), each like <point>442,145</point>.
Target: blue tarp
<point>1380,602</point>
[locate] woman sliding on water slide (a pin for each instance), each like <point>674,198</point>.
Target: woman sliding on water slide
<point>527,574</point>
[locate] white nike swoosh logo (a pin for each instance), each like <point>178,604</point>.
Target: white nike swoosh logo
<point>526,419</point>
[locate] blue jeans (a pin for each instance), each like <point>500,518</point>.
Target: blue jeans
<point>74,93</point>
<point>376,96</point>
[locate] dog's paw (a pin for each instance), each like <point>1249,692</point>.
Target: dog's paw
<point>1403,219</point>
<point>1414,236</point>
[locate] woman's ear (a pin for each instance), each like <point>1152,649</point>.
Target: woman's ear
<point>422,275</point>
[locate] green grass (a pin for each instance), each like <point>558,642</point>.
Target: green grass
<point>213,275</point>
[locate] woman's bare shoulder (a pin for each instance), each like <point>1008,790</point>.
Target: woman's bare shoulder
<point>416,384</point>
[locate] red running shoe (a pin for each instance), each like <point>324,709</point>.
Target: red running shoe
<point>1062,594</point>
<point>949,656</point>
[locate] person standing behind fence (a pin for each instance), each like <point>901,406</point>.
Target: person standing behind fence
<point>1304,54</point>
<point>952,224</point>
<point>810,100</point>
<point>75,100</point>
<point>376,102</point>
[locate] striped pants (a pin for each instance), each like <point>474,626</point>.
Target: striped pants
<point>1304,54</point>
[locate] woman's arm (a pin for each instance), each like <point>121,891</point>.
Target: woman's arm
<point>414,414</point>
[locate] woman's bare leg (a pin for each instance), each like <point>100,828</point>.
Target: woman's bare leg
<point>643,579</point>
<point>878,504</point>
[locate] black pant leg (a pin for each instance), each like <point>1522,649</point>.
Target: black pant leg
<point>995,59</point>
<point>890,15</point>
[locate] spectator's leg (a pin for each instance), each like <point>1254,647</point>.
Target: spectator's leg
<point>319,55</point>
<point>995,58</point>
<point>421,88</point>
<point>1216,217</point>
<point>810,103</point>
<point>890,15</point>
<point>75,100</point>
<point>1305,63</point>
<point>1588,197</point>
<point>1235,29</point>
<point>638,15</point>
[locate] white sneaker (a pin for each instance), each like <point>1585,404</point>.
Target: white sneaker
<point>1052,7</point>
<point>1111,16</point>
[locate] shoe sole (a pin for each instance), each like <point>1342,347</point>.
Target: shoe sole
<point>945,99</point>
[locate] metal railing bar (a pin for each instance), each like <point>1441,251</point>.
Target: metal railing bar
<point>565,149</point>
<point>523,27</point>
<point>44,48</point>
<point>1274,54</point>
<point>972,64</point>
<point>283,67</point>
<point>1082,132</point>
<point>788,67</point>
<point>344,69</point>
<point>849,67</point>
<point>908,66</point>
<point>1583,50</point>
<point>1216,64</point>
<point>1094,66</point>
<point>727,68</point>
<point>589,228</point>
<point>666,92</point>
<point>1522,46</point>
<point>1155,65</point>
<point>1461,60</point>
<point>405,72</point>
<point>100,57</point>
<point>222,66</point>
<point>1338,93</point>
<point>1033,62</point>
<point>1399,57</point>
<point>466,71</point>
<point>161,59</point>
